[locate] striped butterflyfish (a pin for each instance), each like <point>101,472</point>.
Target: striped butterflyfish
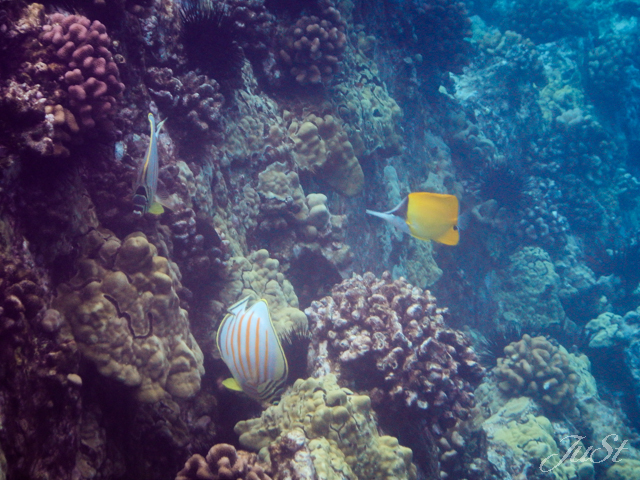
<point>427,216</point>
<point>144,197</point>
<point>249,345</point>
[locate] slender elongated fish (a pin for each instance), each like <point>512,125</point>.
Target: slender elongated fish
<point>427,216</point>
<point>144,198</point>
<point>249,345</point>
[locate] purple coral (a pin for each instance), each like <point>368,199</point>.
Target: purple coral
<point>390,335</point>
<point>92,79</point>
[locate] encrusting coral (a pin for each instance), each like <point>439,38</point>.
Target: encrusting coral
<point>125,316</point>
<point>331,426</point>
<point>92,76</point>
<point>536,368</point>
<point>223,462</point>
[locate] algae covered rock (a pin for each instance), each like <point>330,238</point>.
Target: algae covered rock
<point>339,432</point>
<point>126,318</point>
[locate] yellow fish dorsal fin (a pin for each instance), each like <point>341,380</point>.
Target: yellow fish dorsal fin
<point>433,216</point>
<point>232,384</point>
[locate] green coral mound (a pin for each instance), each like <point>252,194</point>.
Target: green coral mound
<point>339,428</point>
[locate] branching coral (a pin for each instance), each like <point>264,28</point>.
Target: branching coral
<point>337,428</point>
<point>537,368</point>
<point>391,336</point>
<point>92,76</point>
<point>126,317</point>
<point>223,462</point>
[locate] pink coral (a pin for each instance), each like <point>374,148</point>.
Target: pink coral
<point>92,77</point>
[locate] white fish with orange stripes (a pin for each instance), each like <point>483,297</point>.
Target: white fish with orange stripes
<point>249,345</point>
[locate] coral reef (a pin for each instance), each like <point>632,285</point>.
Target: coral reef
<point>529,290</point>
<point>335,426</point>
<point>537,368</point>
<point>312,47</point>
<point>223,462</point>
<point>518,437</point>
<point>259,276</point>
<point>198,248</point>
<point>125,316</point>
<point>322,146</point>
<point>389,336</point>
<point>190,99</point>
<point>546,20</point>
<point>92,76</point>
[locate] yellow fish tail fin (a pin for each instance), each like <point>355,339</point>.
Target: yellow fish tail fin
<point>156,209</point>
<point>451,237</point>
<point>232,384</point>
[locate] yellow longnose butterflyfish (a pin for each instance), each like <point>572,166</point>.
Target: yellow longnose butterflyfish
<point>144,198</point>
<point>427,216</point>
<point>249,345</point>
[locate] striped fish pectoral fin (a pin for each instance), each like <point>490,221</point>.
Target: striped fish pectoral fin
<point>232,384</point>
<point>159,126</point>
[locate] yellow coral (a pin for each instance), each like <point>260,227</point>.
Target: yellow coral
<point>259,276</point>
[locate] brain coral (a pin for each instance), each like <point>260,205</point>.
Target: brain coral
<point>537,368</point>
<point>335,426</point>
<point>92,76</point>
<point>125,316</point>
